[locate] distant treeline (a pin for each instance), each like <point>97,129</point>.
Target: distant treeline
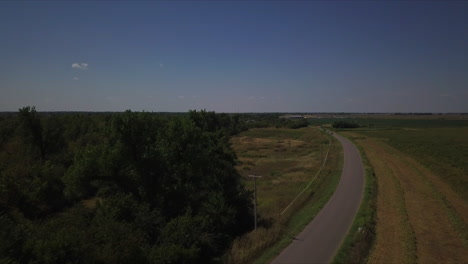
<point>260,120</point>
<point>344,124</point>
<point>413,114</point>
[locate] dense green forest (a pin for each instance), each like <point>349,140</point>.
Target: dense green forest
<point>119,188</point>
<point>132,187</point>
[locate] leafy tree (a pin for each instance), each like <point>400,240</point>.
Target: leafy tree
<point>7,129</point>
<point>78,177</point>
<point>12,237</point>
<point>44,138</point>
<point>31,130</point>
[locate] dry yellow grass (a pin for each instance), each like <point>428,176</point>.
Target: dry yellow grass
<point>283,157</point>
<point>393,244</point>
<point>415,210</point>
<point>287,159</point>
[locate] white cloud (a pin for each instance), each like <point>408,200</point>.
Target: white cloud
<point>161,65</point>
<point>181,97</point>
<point>76,78</point>
<point>251,98</point>
<point>81,66</point>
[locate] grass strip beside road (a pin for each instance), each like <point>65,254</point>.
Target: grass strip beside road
<point>360,238</point>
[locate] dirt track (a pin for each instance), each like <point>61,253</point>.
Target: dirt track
<point>321,238</point>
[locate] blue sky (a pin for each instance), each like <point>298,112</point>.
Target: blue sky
<point>265,56</point>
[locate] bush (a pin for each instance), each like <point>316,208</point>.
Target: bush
<point>344,124</point>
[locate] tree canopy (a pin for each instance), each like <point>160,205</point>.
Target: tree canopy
<point>117,188</point>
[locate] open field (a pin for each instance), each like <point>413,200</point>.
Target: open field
<point>285,158</point>
<point>288,160</point>
<point>422,205</point>
<point>391,121</point>
<point>443,150</point>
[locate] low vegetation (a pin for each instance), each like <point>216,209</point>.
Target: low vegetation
<point>288,160</point>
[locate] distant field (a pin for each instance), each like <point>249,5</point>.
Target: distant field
<point>287,159</point>
<point>422,203</point>
<point>393,122</point>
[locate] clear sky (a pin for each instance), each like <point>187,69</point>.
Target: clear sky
<point>265,56</point>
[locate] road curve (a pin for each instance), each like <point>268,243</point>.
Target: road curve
<point>320,240</point>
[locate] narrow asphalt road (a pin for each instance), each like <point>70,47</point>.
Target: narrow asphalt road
<point>320,240</point>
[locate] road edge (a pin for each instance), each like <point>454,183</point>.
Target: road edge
<point>359,240</point>
<point>352,170</point>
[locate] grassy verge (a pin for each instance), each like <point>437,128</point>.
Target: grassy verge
<point>277,231</point>
<point>360,238</point>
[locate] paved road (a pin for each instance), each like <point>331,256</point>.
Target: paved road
<point>320,240</point>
